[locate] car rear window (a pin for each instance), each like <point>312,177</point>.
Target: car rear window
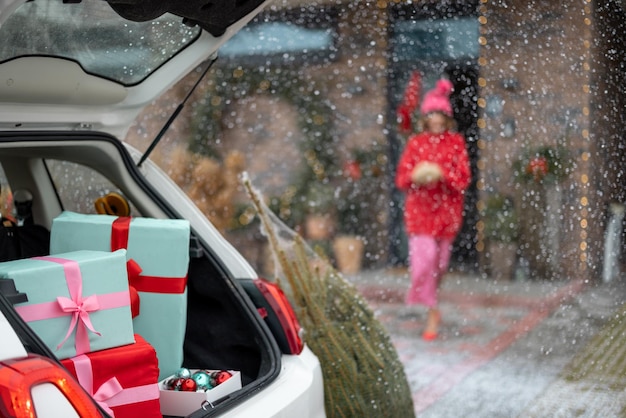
<point>78,186</point>
<point>92,34</point>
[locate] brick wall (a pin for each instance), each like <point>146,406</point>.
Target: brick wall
<point>533,65</point>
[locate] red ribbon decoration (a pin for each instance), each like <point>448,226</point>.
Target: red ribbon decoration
<point>409,101</point>
<point>153,284</point>
<point>119,240</point>
<point>135,301</point>
<point>142,283</point>
<point>119,233</point>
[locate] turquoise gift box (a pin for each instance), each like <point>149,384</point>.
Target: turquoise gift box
<point>160,249</point>
<point>78,302</point>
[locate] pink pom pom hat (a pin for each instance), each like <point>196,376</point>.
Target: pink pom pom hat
<point>438,99</point>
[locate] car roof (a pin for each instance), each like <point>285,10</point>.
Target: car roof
<point>95,64</point>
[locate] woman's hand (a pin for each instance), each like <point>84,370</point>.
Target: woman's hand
<point>426,173</point>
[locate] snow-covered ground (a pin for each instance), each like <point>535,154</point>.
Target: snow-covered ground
<point>503,345</point>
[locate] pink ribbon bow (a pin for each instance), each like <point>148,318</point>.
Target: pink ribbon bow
<point>111,394</point>
<point>105,392</point>
<point>77,306</point>
<point>108,390</point>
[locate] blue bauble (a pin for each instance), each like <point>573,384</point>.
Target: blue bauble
<point>183,373</point>
<point>202,379</point>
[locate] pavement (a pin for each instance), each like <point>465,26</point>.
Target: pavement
<point>505,347</point>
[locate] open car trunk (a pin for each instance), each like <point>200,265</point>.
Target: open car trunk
<point>68,171</point>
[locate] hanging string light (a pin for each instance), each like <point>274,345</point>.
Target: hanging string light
<point>481,143</point>
<point>583,178</point>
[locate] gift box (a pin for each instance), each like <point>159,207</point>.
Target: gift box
<point>77,302</point>
<point>181,403</point>
<point>158,260</point>
<point>123,380</point>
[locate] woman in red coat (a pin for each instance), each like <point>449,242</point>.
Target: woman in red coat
<point>434,173</point>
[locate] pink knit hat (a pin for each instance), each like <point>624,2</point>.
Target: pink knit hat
<point>438,99</point>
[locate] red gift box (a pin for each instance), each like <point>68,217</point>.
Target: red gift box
<point>123,380</point>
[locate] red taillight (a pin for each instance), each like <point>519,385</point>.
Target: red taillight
<point>18,377</point>
<point>284,312</point>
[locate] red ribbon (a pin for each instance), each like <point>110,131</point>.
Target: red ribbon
<point>135,301</point>
<point>152,284</point>
<point>119,240</point>
<point>119,233</point>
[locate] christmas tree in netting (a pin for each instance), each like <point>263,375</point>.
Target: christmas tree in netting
<point>363,376</point>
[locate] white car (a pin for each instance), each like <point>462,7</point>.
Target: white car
<point>73,77</point>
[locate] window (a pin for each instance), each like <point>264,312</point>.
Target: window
<point>436,39</point>
<point>78,186</point>
<point>89,33</point>
<point>285,38</point>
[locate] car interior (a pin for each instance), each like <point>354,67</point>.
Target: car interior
<point>64,173</point>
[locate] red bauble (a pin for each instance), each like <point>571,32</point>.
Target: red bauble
<point>221,377</point>
<point>352,169</point>
<point>189,385</point>
<point>537,167</point>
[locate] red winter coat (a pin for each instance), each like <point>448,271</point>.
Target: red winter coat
<point>435,209</point>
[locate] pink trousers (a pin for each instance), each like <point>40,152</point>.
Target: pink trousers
<point>428,258</point>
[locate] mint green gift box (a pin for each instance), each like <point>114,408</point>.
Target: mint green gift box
<point>63,287</point>
<point>160,247</point>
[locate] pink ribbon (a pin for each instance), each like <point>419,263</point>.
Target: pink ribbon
<point>109,389</point>
<point>79,309</point>
<point>48,310</point>
<point>76,306</point>
<point>111,393</point>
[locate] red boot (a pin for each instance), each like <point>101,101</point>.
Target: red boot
<point>432,325</point>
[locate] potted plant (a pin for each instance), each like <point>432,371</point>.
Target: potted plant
<point>349,243</point>
<point>501,233</point>
<point>359,181</point>
<point>318,206</point>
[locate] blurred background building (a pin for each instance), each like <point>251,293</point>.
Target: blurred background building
<point>308,92</point>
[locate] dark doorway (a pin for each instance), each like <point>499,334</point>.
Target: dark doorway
<point>436,40</point>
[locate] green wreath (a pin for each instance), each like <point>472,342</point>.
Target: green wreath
<point>314,119</point>
<point>543,165</point>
